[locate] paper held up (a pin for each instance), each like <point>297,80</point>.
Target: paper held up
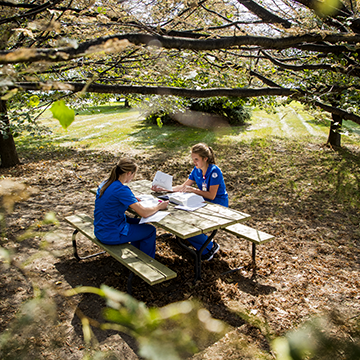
<point>187,201</point>
<point>163,180</point>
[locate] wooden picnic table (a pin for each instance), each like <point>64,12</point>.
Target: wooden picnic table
<point>185,224</point>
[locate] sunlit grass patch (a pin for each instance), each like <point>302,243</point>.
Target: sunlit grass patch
<point>116,129</point>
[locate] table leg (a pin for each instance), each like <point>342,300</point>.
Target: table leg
<point>253,258</point>
<point>197,254</point>
<point>77,256</point>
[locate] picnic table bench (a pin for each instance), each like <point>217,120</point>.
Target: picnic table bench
<point>211,218</point>
<point>139,263</point>
<point>255,236</point>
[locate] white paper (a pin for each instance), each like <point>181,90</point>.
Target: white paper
<point>149,203</point>
<point>186,199</point>
<point>147,200</point>
<point>190,208</point>
<point>154,218</point>
<point>144,197</point>
<point>163,180</point>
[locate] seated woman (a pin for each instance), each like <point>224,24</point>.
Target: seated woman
<point>113,198</point>
<point>211,186</point>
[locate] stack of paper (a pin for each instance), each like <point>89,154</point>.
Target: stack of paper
<point>148,200</point>
<point>187,201</point>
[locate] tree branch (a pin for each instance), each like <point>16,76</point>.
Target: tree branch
<point>331,68</point>
<point>108,43</point>
<point>265,80</point>
<point>342,113</point>
<point>38,9</point>
<point>155,90</point>
<point>264,14</point>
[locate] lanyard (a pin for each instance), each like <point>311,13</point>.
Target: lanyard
<point>204,187</point>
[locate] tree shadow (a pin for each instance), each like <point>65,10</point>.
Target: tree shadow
<point>101,270</point>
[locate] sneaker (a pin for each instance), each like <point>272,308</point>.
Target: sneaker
<point>210,254</point>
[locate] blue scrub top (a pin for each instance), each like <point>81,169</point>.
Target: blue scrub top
<point>213,176</point>
<point>109,214</point>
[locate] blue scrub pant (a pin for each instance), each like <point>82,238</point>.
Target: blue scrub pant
<point>142,236</point>
<point>198,241</point>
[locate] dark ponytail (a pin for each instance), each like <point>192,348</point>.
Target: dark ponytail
<point>123,166</point>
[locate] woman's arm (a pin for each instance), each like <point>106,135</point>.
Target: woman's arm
<point>183,186</point>
<point>211,194</point>
<point>146,212</point>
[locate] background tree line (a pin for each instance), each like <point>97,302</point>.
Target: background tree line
<point>262,52</point>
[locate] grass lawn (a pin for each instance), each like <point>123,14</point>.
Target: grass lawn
<point>116,129</point>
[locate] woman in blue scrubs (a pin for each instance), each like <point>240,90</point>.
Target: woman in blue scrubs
<point>210,185</point>
<point>113,197</point>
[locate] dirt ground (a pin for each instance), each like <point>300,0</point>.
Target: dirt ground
<point>311,266</point>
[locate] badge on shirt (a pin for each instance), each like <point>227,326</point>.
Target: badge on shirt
<point>214,175</point>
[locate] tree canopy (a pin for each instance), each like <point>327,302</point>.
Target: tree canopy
<point>304,50</point>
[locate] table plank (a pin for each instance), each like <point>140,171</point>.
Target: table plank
<point>178,227</point>
<point>206,224</point>
<point>222,212</point>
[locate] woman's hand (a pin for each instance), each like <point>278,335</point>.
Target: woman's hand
<point>158,188</point>
<point>188,189</point>
<point>163,204</point>
<point>145,211</point>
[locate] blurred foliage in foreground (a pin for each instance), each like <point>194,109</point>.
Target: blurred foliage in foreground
<point>173,332</point>
<point>322,338</point>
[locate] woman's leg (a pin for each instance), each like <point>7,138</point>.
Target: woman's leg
<point>141,236</point>
<point>198,241</point>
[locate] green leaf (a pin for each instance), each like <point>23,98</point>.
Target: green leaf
<point>61,112</point>
<point>34,101</point>
<point>159,122</point>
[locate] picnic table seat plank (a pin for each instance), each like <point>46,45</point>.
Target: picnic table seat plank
<point>255,236</point>
<point>249,233</point>
<point>149,269</point>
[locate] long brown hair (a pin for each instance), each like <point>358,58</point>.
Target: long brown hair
<point>123,166</point>
<point>204,151</point>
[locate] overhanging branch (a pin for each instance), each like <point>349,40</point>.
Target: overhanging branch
<point>108,43</point>
<point>156,90</point>
<point>189,93</point>
<point>264,14</point>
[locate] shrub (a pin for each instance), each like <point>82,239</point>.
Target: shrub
<point>231,109</point>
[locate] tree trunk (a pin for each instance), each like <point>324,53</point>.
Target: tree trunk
<point>334,133</point>
<point>8,154</point>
